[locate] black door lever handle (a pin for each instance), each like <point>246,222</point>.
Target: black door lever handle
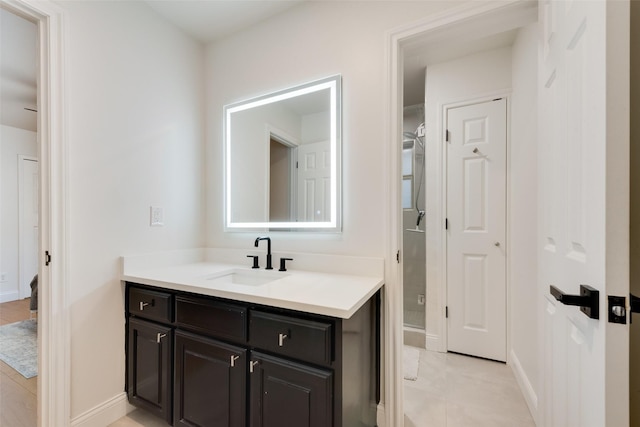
<point>588,300</point>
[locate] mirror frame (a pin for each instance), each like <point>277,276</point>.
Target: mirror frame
<point>334,84</point>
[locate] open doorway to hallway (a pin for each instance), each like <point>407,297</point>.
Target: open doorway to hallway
<point>19,220</point>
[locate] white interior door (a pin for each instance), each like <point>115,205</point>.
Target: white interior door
<point>28,222</point>
<point>314,178</point>
<point>583,194</point>
<point>476,217</point>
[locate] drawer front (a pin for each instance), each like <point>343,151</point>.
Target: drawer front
<point>153,305</point>
<point>302,339</point>
<point>212,318</point>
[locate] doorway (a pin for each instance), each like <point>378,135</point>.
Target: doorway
<point>472,66</point>
<point>53,340</point>
<point>613,56</point>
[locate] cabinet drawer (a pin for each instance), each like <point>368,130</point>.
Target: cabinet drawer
<point>150,304</point>
<point>212,318</point>
<point>293,337</point>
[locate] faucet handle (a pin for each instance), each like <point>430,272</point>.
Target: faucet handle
<point>255,260</point>
<point>282,263</point>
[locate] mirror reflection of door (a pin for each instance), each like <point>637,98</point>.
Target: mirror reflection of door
<point>314,181</point>
<point>281,180</point>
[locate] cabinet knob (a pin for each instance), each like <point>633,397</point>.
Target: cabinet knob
<point>159,337</point>
<point>252,364</point>
<point>233,360</point>
<point>281,338</point>
<point>143,305</point>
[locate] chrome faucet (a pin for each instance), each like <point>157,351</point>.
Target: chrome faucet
<point>268,267</point>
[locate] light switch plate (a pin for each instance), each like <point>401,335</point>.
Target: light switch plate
<point>157,216</point>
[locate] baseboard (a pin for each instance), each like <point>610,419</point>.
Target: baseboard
<point>9,296</point>
<point>381,420</point>
<point>434,343</point>
<point>104,414</point>
<point>527,389</point>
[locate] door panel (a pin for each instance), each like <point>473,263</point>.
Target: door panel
<point>314,176</point>
<point>285,393</point>
<point>476,214</point>
<point>584,224</point>
<point>149,367</point>
<point>28,219</point>
<point>200,363</point>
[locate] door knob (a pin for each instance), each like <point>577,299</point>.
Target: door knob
<point>588,300</point>
<point>496,244</point>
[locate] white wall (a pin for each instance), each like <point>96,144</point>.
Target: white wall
<point>135,105</point>
<point>523,215</point>
<point>309,42</point>
<point>462,79</point>
<point>13,142</point>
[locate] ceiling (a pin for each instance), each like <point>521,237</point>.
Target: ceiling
<point>209,20</point>
<point>18,68</point>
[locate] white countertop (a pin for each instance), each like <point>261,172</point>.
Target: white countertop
<point>319,292</point>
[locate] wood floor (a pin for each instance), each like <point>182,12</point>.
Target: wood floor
<point>18,395</point>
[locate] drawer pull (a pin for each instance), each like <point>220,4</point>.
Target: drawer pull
<point>252,364</point>
<point>159,337</point>
<point>281,338</point>
<point>233,360</point>
<point>144,304</point>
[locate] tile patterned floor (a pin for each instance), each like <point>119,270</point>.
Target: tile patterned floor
<point>18,395</point>
<point>459,391</point>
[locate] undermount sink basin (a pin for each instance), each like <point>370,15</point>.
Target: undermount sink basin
<point>247,277</point>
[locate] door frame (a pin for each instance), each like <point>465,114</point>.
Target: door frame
<point>487,18</point>
<point>443,285</point>
<point>21,159</point>
<point>54,377</point>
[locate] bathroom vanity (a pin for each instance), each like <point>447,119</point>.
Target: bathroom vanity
<point>229,348</point>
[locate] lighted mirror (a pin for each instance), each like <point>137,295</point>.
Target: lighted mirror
<point>282,159</point>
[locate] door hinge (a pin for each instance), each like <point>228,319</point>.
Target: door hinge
<point>446,312</point>
<point>446,135</point>
<point>296,165</point>
<point>398,257</point>
<point>47,258</point>
<point>446,223</point>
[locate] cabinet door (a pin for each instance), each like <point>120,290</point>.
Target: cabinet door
<point>284,393</point>
<point>149,367</point>
<point>210,388</point>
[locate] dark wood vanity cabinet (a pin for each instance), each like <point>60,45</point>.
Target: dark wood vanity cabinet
<point>244,365</point>
<point>149,366</point>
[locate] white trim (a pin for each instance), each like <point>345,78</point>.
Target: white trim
<point>527,389</point>
<point>53,311</point>
<point>105,413</point>
<point>479,12</point>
